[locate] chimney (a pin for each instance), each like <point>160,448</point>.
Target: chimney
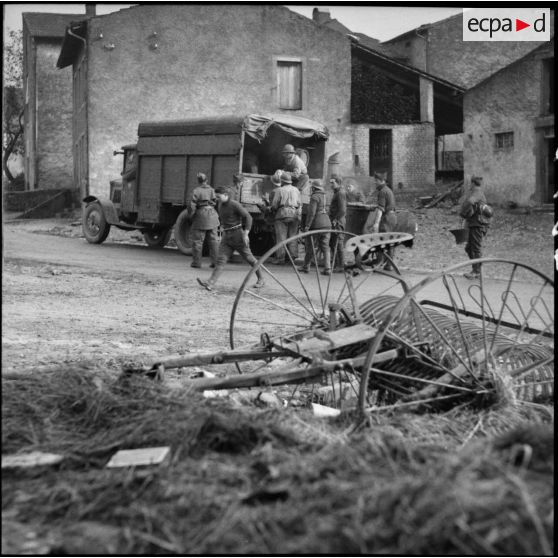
<point>320,16</point>
<point>90,9</point>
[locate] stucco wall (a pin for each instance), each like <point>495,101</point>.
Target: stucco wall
<point>210,60</point>
<point>508,102</point>
<point>413,154</point>
<point>54,119</point>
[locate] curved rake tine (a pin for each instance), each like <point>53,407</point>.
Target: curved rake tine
<point>457,291</point>
<point>448,344</point>
<point>410,403</point>
<point>485,362</point>
<point>458,321</point>
<point>504,301</point>
<point>525,322</point>
<point>483,299</point>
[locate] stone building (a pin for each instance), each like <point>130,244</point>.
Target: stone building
<point>438,48</point>
<point>165,62</point>
<point>509,130</point>
<point>48,102</point>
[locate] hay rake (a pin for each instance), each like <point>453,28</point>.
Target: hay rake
<point>366,337</point>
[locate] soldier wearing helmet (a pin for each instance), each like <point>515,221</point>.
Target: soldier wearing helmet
<point>205,221</point>
<point>293,164</point>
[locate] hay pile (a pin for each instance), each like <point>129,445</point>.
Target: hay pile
<point>250,481</point>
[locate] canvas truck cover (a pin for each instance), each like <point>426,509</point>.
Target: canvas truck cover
<point>257,125</point>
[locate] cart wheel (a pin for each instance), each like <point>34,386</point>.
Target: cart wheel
<point>296,304</point>
<point>182,233</point>
<point>464,340</point>
<point>157,238</point>
<point>94,224</point>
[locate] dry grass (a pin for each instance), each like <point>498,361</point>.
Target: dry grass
<point>250,481</point>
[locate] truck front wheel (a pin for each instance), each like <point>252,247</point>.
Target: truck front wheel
<point>182,233</point>
<point>157,238</point>
<point>94,224</point>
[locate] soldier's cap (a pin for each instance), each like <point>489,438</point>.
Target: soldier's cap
<point>222,190</point>
<point>288,149</point>
<point>276,178</point>
<point>238,177</point>
<point>201,177</point>
<point>317,185</point>
<point>336,178</point>
<point>378,176</point>
<point>286,178</point>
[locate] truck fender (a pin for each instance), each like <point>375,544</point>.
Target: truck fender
<point>108,209</point>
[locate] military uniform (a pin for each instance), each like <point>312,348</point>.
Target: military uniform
<point>287,207</point>
<point>388,221</point>
<point>338,218</point>
<point>204,223</point>
<point>235,222</point>
<point>477,224</point>
<point>316,219</point>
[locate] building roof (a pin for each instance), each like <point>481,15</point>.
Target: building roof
<point>549,45</point>
<point>423,27</point>
<point>49,25</point>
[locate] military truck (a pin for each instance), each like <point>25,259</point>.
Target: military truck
<point>159,174</point>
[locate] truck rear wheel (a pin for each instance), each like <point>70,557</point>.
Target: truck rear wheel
<point>94,224</point>
<point>182,233</point>
<point>157,238</point>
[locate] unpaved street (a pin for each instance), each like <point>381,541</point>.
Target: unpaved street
<point>65,300</point>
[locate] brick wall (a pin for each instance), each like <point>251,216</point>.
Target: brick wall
<point>508,102</point>
<point>200,68</point>
<point>413,154</point>
<point>54,119</point>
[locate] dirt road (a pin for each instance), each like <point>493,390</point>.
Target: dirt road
<point>65,300</point>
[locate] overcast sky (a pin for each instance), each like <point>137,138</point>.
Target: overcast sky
<point>380,22</point>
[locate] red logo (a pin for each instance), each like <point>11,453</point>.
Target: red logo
<point>519,24</point>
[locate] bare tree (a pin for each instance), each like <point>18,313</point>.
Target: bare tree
<point>12,125</point>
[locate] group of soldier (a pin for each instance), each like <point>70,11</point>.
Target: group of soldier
<point>290,215</point>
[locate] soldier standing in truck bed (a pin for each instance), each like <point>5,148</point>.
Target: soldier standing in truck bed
<point>204,221</point>
<point>235,224</point>
<point>293,164</point>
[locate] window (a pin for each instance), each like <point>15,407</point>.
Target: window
<point>503,140</point>
<point>548,91</point>
<point>289,84</point>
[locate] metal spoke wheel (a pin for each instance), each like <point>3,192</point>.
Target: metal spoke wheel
<point>295,305</point>
<point>94,224</point>
<point>157,238</point>
<point>465,341</point>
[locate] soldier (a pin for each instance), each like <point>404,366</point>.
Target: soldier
<point>287,207</point>
<point>235,224</point>
<point>385,218</point>
<point>204,221</point>
<point>477,214</point>
<point>338,218</point>
<point>293,164</point>
<point>316,219</point>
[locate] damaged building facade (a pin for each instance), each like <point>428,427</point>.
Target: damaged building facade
<point>175,62</point>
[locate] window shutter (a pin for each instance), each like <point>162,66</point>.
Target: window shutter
<point>289,85</point>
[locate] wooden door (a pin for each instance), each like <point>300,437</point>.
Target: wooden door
<point>381,152</point>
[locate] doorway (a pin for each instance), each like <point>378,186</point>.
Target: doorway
<point>381,153</point>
